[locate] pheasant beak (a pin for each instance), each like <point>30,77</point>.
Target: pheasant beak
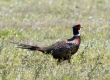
<point>81,27</point>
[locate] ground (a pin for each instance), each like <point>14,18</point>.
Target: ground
<point>44,22</point>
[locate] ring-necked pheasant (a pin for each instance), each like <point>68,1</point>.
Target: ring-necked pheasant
<point>62,50</point>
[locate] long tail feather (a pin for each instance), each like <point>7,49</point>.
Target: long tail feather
<point>29,47</point>
<point>26,46</point>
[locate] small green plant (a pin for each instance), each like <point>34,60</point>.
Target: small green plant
<point>1,44</point>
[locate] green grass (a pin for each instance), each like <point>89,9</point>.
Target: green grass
<point>44,22</point>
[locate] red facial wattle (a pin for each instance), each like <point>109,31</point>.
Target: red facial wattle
<point>79,26</point>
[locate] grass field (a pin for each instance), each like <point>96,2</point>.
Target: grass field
<point>44,22</point>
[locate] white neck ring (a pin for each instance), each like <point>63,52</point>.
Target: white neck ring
<point>77,35</point>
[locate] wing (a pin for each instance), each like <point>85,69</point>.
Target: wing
<point>60,47</point>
